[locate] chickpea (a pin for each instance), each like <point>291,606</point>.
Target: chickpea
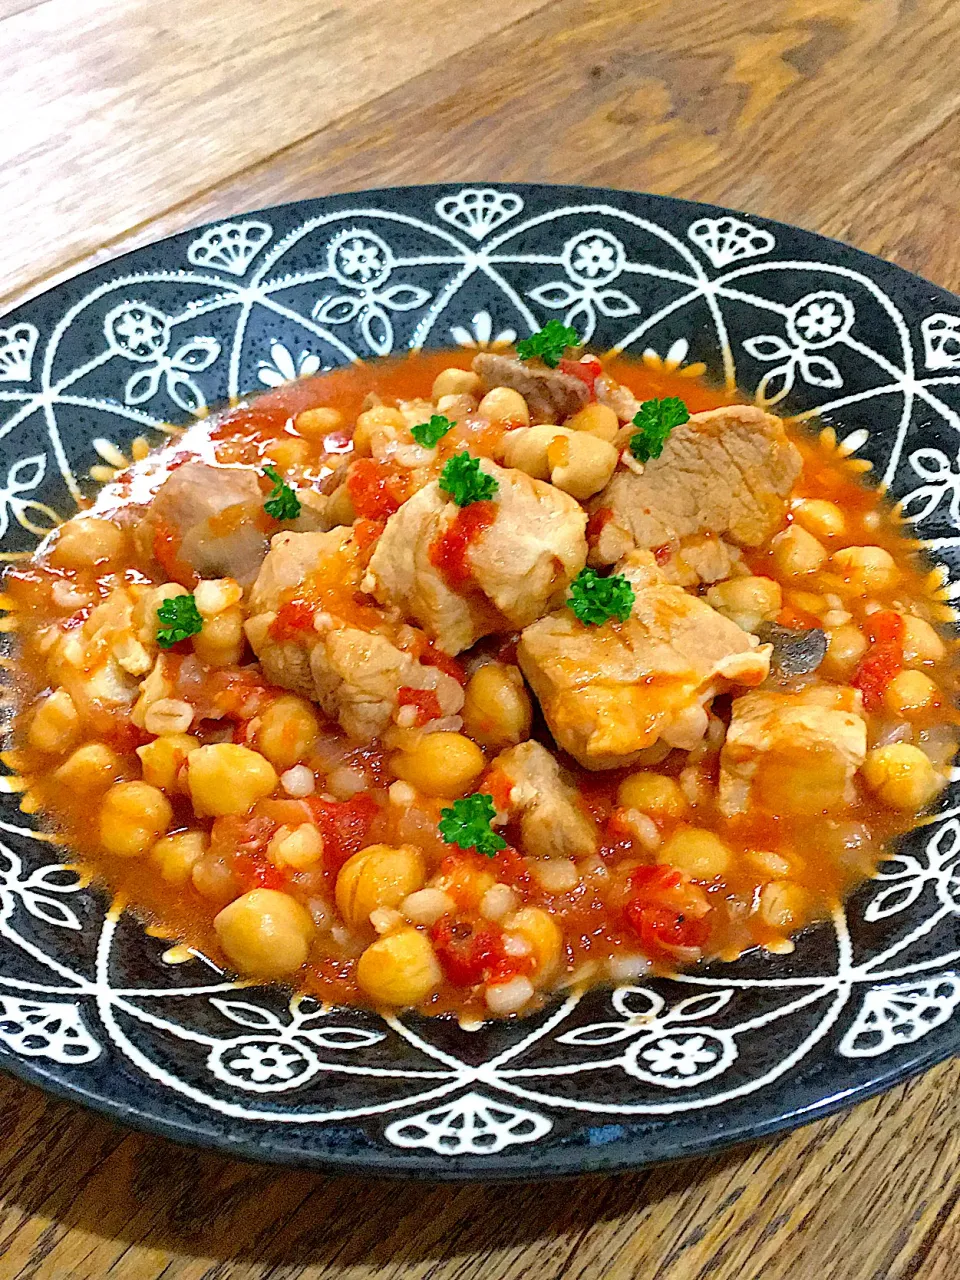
<point>910,693</point>
<point>526,449</point>
<point>132,817</point>
<point>400,969</point>
<point>795,551</point>
<point>85,541</point>
<point>220,641</point>
<point>145,618</point>
<point>441,764</point>
<point>214,880</point>
<point>846,646</point>
<point>90,768</point>
<point>783,905</point>
<point>901,776</point>
<point>542,933</point>
<point>653,794</point>
<point>747,601</point>
<point>161,760</point>
<point>299,847</point>
<point>920,642</point>
<point>376,877</point>
<point>503,404</point>
<point>375,427</point>
<point>265,933</point>
<point>699,853</point>
<point>316,423</point>
<point>225,778</point>
<point>176,856</point>
<point>287,451</point>
<point>496,708</point>
<point>55,725</point>
<point>455,382</point>
<point>597,420</point>
<point>865,570</point>
<point>821,518</point>
<point>289,731</point>
<point>581,463</point>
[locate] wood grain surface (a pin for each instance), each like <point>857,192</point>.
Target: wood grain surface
<point>125,120</point>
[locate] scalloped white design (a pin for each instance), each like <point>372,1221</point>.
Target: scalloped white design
<point>479,210</point>
<point>345,284</point>
<point>892,1016</point>
<point>45,1029</point>
<point>728,240</point>
<point>17,345</point>
<point>230,246</point>
<point>471,1126</point>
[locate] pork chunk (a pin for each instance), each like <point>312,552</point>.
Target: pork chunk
<point>793,752</point>
<point>550,394</point>
<point>518,567</point>
<point>205,522</point>
<point>726,472</point>
<point>609,692</point>
<point>552,820</point>
<point>335,649</point>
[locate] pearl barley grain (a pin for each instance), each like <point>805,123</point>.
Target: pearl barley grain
<point>298,781</point>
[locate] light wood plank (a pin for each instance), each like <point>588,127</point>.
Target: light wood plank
<point>145,105</point>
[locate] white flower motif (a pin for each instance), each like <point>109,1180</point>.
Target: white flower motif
<point>360,259</point>
<point>942,480</point>
<point>38,1029</point>
<point>594,257</point>
<point>285,368</point>
<point>137,330</point>
<point>820,320</point>
<point>480,334</point>
<point>17,346</point>
<point>941,341</point>
<point>471,1125</point>
<point>262,1062</point>
<point>683,1057</point>
<point>897,1015</point>
<point>24,475</point>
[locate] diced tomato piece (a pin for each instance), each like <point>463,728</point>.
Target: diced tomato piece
<point>588,369</point>
<point>376,489</point>
<point>449,552</point>
<point>798,619</point>
<point>665,929</point>
<point>656,879</point>
<point>257,872</point>
<point>497,785</point>
<point>431,656</point>
<point>367,532</point>
<point>343,825</point>
<point>294,617</point>
<point>511,868</point>
<point>469,950</point>
<point>662,553</point>
<point>425,700</point>
<point>600,517</point>
<point>883,660</point>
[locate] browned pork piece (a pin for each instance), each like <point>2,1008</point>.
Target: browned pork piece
<point>550,394</point>
<point>553,822</point>
<point>516,568</point>
<point>726,472</point>
<point>609,692</point>
<point>346,657</point>
<point>794,752</point>
<point>208,522</point>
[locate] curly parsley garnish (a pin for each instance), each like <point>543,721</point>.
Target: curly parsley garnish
<point>467,824</point>
<point>595,599</point>
<point>656,420</point>
<point>430,433</point>
<point>465,482</point>
<point>283,503</point>
<point>180,618</point>
<point>549,343</point>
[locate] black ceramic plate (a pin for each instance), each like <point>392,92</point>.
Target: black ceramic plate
<point>91,1009</point>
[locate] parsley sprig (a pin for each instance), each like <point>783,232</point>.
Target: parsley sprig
<point>595,599</point>
<point>463,480</point>
<point>180,620</point>
<point>656,419</point>
<point>549,343</point>
<point>430,433</point>
<point>467,824</point>
<point>283,503</point>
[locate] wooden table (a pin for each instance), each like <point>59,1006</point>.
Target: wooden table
<point>124,120</point>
